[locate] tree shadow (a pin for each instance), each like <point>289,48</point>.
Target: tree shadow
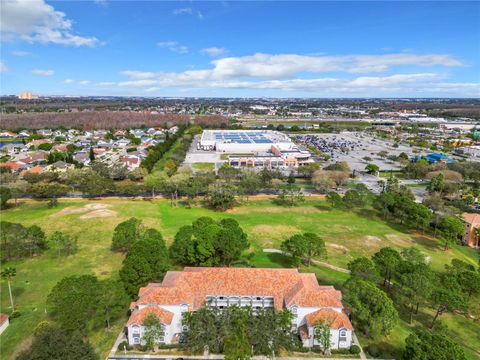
<point>367,213</point>
<point>428,243</point>
<point>17,291</point>
<point>322,207</point>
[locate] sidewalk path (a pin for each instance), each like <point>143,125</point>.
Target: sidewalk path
<point>321,263</point>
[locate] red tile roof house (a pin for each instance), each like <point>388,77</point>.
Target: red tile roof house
<point>192,288</point>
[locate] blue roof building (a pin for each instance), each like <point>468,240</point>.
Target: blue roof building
<point>434,158</point>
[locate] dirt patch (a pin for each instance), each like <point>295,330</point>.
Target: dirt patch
<point>98,214</point>
<point>69,211</point>
<point>399,240</point>
<point>372,238</point>
<point>336,246</point>
<point>342,249</point>
<point>342,228</point>
<point>274,231</point>
<point>96,206</point>
<point>79,210</point>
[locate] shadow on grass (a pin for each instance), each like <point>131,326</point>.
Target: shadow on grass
<point>428,243</point>
<point>17,291</point>
<point>323,207</point>
<point>269,260</point>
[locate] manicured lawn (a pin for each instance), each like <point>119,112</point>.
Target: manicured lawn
<point>348,235</point>
<point>204,166</point>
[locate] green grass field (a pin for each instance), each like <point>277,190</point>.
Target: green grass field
<point>348,235</point>
<point>204,166</point>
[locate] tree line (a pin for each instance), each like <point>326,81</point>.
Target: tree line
<point>393,284</point>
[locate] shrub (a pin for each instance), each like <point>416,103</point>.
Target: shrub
<point>340,351</point>
<point>355,349</point>
<point>373,350</point>
<point>143,348</point>
<point>15,314</point>
<point>124,346</point>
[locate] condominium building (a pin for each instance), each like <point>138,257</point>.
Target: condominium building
<point>193,288</point>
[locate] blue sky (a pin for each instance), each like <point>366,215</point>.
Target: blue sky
<point>242,49</point>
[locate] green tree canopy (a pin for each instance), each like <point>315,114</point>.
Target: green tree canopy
<point>73,302</point>
<point>426,345</point>
<point>51,342</point>
<point>126,234</point>
<point>372,310</point>
<point>209,243</point>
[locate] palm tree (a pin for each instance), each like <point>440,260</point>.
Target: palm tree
<point>8,274</point>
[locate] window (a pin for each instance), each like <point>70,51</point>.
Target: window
<point>294,310</point>
<point>184,308</point>
<point>259,298</point>
<point>184,328</point>
<point>343,335</point>
<point>135,330</point>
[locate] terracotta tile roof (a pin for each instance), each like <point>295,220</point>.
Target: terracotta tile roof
<point>335,319</point>
<point>33,170</point>
<point>138,316</point>
<point>287,287</point>
<point>471,218</point>
<point>13,165</point>
<point>3,318</point>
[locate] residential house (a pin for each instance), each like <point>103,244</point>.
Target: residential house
<point>120,133</point>
<point>7,134</point>
<point>193,288</point>
<point>12,165</point>
<point>122,142</point>
<point>173,130</point>
<point>33,170</point>
<point>131,162</point>
<point>472,223</point>
<point>61,166</point>
<point>45,132</point>
<point>38,142</point>
<point>82,157</point>
<point>35,158</point>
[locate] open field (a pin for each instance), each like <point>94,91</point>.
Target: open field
<point>348,235</point>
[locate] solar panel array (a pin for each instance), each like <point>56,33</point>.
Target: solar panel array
<point>242,137</point>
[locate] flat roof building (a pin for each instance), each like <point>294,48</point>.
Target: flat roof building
<point>241,141</point>
<point>255,148</point>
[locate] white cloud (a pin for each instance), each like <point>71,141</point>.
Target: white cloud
<point>20,53</point>
<point>84,82</point>
<point>3,68</point>
<point>105,83</point>
<point>300,74</point>
<point>102,3</point>
<point>43,72</point>
<point>138,74</point>
<point>173,46</point>
<point>214,51</point>
<point>37,21</point>
<point>68,81</point>
<point>187,11</point>
<point>183,11</point>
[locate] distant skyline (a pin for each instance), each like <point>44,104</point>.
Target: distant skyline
<point>241,49</point>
